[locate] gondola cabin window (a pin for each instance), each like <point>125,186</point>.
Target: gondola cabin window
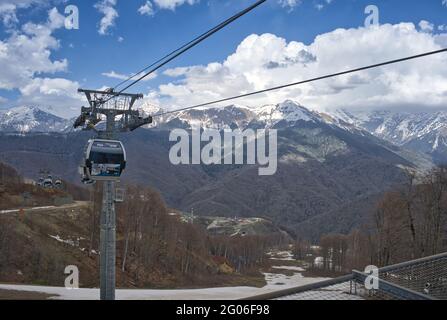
<point>104,160</point>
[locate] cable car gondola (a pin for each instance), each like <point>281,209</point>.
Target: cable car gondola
<point>48,182</point>
<point>58,184</point>
<point>104,160</point>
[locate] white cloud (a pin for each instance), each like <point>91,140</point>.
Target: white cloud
<point>55,19</point>
<point>107,8</point>
<point>172,4</point>
<point>146,9</point>
<point>21,3</point>
<point>320,6</point>
<point>47,86</point>
<point>8,14</point>
<point>441,39</point>
<point>114,75</point>
<point>263,61</point>
<point>57,93</point>
<point>426,26</point>
<point>26,55</point>
<point>9,8</point>
<point>444,3</point>
<point>177,72</point>
<point>290,4</point>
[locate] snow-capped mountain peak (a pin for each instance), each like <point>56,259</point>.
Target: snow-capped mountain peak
<point>289,111</point>
<point>217,118</point>
<point>242,116</point>
<point>421,131</point>
<point>26,119</point>
<point>424,132</point>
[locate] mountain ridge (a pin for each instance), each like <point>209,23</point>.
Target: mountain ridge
<point>25,119</point>
<point>425,132</point>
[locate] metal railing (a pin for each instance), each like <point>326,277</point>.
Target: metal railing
<point>421,279</point>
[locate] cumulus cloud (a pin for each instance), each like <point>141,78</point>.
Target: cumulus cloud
<point>441,39</point>
<point>8,10</point>
<point>56,93</point>
<point>324,3</point>
<point>263,61</point>
<point>290,4</point>
<point>172,4</point>
<point>8,14</point>
<point>26,54</point>
<point>426,26</point>
<point>146,9</point>
<point>107,8</point>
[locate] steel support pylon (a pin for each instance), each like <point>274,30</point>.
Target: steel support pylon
<point>108,242</point>
<point>112,105</point>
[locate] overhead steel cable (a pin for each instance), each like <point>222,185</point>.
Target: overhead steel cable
<point>205,34</point>
<point>188,46</point>
<point>333,75</point>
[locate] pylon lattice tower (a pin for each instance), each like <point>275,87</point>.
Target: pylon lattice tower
<point>116,110</point>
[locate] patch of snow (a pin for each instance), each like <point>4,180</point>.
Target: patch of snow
<point>281,255</point>
<point>8,211</point>
<point>291,268</point>
<point>27,209</point>
<point>70,242</point>
<point>275,282</point>
<point>319,261</point>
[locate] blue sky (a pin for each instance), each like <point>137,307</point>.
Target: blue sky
<point>118,37</point>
